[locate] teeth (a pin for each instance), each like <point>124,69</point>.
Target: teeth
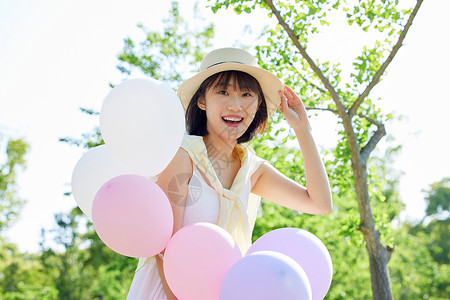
<point>232,119</point>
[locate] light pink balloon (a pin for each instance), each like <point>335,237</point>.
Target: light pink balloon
<point>306,249</point>
<point>196,260</point>
<point>133,216</point>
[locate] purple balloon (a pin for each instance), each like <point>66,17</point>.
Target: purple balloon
<point>306,249</point>
<point>265,275</point>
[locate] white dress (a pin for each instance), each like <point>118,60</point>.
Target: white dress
<point>202,205</point>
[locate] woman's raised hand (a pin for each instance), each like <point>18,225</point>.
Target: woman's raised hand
<point>293,109</point>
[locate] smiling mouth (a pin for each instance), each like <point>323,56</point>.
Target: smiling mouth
<point>232,123</point>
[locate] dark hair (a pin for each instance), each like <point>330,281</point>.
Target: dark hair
<point>196,117</point>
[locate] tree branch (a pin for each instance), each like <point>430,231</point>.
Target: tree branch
<point>376,137</point>
<point>376,78</point>
<point>372,121</point>
<point>309,82</point>
<point>323,109</point>
<point>314,67</point>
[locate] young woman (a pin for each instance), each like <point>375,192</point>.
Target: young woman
<point>215,176</point>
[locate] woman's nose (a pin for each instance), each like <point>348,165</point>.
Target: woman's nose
<point>234,106</point>
<point>234,103</point>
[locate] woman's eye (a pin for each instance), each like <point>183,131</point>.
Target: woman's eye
<point>223,92</point>
<point>247,95</point>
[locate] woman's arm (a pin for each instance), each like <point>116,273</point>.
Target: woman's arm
<point>181,167</point>
<point>276,187</point>
<point>167,291</point>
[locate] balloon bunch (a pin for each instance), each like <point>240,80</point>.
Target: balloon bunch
<point>142,124</point>
<point>202,261</point>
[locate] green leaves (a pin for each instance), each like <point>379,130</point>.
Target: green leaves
<point>438,198</point>
<point>376,14</point>
<point>10,202</point>
<point>86,268</point>
<point>22,276</point>
<point>170,54</point>
<point>240,9</point>
<point>369,62</point>
<point>239,6</point>
<point>87,140</point>
<point>416,270</point>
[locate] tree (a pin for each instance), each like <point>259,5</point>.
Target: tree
<point>437,209</point>
<point>10,203</point>
<point>322,88</point>
<point>84,268</point>
<point>438,198</point>
<point>21,275</point>
<point>415,273</point>
<point>425,249</point>
<point>169,55</point>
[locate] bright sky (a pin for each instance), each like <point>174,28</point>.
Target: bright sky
<point>57,56</point>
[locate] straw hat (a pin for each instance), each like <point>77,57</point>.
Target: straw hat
<point>233,59</point>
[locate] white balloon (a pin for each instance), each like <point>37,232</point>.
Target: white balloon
<point>94,168</point>
<point>142,123</point>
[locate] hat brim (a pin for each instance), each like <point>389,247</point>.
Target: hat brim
<point>270,84</point>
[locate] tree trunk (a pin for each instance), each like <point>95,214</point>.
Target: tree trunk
<point>378,255</point>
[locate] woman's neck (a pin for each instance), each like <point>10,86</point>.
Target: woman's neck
<point>220,151</point>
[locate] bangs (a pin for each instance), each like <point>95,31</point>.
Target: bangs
<point>239,80</point>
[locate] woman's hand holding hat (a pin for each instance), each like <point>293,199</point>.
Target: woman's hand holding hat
<point>293,109</point>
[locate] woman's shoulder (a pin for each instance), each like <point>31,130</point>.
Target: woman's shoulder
<point>181,165</point>
<point>182,160</point>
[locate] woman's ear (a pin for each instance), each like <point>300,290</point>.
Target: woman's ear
<point>201,103</point>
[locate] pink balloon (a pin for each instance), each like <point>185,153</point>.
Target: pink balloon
<point>196,260</point>
<point>265,275</point>
<point>306,249</point>
<point>133,216</point>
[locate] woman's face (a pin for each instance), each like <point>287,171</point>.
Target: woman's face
<point>229,109</point>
